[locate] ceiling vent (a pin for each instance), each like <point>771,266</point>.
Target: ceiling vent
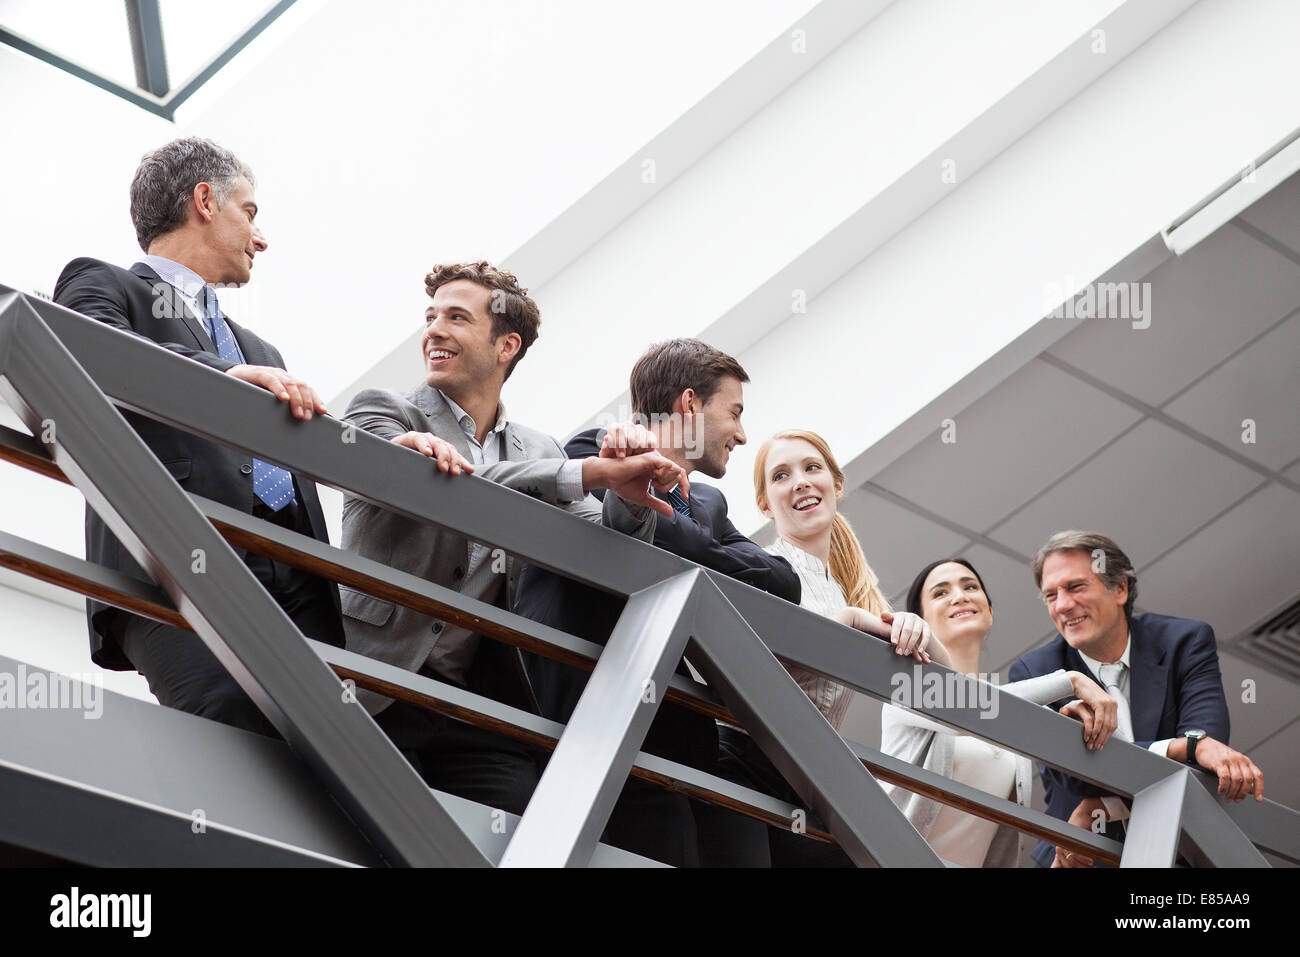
<point>1274,643</point>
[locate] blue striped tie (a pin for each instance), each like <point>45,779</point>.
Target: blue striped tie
<point>272,484</point>
<point>678,503</point>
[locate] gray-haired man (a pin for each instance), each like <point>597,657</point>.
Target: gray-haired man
<point>194,213</point>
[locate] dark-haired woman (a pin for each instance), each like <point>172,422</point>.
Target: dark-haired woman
<point>950,596</point>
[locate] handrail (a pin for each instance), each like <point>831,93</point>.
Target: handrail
<point>301,551</point>
<point>164,386</point>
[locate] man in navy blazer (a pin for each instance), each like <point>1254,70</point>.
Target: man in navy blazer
<point>1163,671</point>
<point>193,209</point>
<point>690,397</point>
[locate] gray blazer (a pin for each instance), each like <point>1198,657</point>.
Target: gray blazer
<point>401,636</point>
<point>917,740</point>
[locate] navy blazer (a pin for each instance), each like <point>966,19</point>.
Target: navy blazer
<point>139,302</point>
<point>707,538</point>
<point>1174,686</point>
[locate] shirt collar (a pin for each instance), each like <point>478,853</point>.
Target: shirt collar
<point>801,559</point>
<point>1095,666</point>
<point>176,275</point>
<point>467,421</point>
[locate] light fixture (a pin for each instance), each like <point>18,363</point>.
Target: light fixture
<point>1253,182</point>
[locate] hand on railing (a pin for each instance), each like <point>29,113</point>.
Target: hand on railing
<point>426,443</point>
<point>1098,711</point>
<point>1239,778</point>
<point>908,633</point>
<point>302,398</point>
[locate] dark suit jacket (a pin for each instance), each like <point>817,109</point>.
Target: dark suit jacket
<point>137,301</point>
<point>1174,686</point>
<point>707,538</point>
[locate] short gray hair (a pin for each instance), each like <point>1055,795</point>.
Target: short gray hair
<point>165,181</point>
<point>1115,566</point>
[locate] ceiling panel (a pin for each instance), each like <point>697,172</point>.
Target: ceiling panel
<point>1204,305</point>
<point>897,542</point>
<point>1255,547</point>
<point>1277,759</point>
<point>1146,491</point>
<point>1259,384</point>
<point>1279,214</point>
<point>1011,444</point>
<point>1276,700</point>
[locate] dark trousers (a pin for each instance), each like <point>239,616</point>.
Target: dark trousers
<point>462,759</point>
<point>728,839</point>
<point>182,672</point>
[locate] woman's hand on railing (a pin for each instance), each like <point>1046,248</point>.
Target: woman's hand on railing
<point>426,443</point>
<point>1098,711</point>
<point>908,633</point>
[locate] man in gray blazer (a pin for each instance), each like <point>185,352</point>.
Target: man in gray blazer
<point>479,324</point>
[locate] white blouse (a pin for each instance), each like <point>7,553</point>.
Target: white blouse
<point>822,594</point>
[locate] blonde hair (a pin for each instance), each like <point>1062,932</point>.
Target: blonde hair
<point>848,564</point>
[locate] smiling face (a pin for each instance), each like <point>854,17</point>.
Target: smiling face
<point>716,427</point>
<point>461,357</point>
<point>802,494</point>
<point>954,605</point>
<point>1089,616</point>
<point>232,236</point>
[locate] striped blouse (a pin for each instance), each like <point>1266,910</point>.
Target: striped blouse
<point>822,594</point>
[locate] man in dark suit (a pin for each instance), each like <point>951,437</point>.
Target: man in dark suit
<point>193,209</point>
<point>1163,672</point>
<point>690,395</point>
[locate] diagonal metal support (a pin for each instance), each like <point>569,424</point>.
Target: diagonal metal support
<point>590,765</point>
<point>796,737</point>
<point>1155,823</point>
<point>1210,837</point>
<point>247,631</point>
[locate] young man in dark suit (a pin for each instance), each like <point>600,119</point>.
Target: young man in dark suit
<point>690,397</point>
<point>1163,672</point>
<point>194,213</point>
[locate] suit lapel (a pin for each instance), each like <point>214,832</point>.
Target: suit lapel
<point>514,446</point>
<point>1148,677</point>
<point>1074,662</point>
<point>442,422</point>
<point>174,299</point>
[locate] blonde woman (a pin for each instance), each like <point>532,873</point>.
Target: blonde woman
<point>798,484</point>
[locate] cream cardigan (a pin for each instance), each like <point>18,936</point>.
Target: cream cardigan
<point>917,740</point>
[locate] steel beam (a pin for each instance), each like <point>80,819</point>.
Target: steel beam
<point>1214,839</point>
<point>1155,823</point>
<point>238,621</point>
<point>587,771</point>
<point>217,407</point>
<point>144,23</point>
<point>795,736</point>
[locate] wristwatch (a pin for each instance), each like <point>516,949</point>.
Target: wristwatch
<point>1193,736</point>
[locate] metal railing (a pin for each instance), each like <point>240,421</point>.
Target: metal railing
<point>60,369</point>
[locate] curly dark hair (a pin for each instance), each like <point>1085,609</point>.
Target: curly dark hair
<point>512,308</point>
